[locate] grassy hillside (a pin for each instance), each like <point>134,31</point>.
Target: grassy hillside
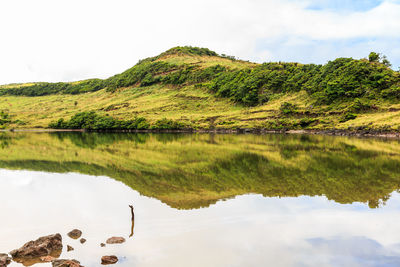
<point>196,170</point>
<point>197,88</point>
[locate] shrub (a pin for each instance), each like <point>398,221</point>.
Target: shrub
<point>304,122</point>
<point>374,57</point>
<point>392,92</point>
<point>166,124</point>
<point>357,105</point>
<point>5,118</point>
<point>93,121</point>
<point>347,116</point>
<point>288,108</point>
<point>189,50</point>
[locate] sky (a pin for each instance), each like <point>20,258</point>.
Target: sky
<point>67,40</point>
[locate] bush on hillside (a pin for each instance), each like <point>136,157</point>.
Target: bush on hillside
<point>92,121</point>
<point>190,50</point>
<point>348,116</point>
<point>358,106</point>
<point>166,124</point>
<point>392,92</point>
<point>288,108</point>
<point>5,118</point>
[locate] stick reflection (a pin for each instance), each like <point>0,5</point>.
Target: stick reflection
<point>133,220</point>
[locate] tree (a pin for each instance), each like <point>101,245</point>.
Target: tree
<point>374,57</point>
<point>378,57</point>
<point>386,62</point>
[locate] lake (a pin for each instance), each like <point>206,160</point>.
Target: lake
<point>204,199</point>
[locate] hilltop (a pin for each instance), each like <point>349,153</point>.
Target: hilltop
<point>195,88</point>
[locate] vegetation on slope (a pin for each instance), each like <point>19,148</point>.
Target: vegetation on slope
<point>198,88</point>
<point>147,72</point>
<point>343,78</point>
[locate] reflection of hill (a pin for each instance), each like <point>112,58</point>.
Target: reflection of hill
<point>193,171</point>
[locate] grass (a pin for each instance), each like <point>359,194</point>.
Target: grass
<point>187,104</point>
<point>206,61</point>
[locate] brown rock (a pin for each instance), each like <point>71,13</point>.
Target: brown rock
<point>115,240</point>
<point>102,245</point>
<point>66,263</point>
<point>4,260</point>
<point>75,234</point>
<point>43,246</point>
<point>105,260</point>
<point>69,248</point>
<point>83,240</point>
<point>47,259</point>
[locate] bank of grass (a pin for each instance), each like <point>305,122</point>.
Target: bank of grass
<point>190,105</point>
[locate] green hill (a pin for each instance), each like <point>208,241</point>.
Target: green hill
<point>189,87</point>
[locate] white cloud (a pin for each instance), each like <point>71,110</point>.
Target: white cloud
<point>47,40</point>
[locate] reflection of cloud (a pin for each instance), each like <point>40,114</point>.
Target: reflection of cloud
<point>353,251</point>
<point>248,230</point>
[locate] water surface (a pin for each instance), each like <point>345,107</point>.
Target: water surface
<point>205,200</point>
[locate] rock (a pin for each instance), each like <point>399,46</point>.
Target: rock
<point>66,263</point>
<point>115,240</point>
<point>47,259</point>
<point>75,234</point>
<point>43,246</point>
<point>4,260</point>
<point>102,245</point>
<point>69,248</point>
<point>105,260</point>
<point>83,240</point>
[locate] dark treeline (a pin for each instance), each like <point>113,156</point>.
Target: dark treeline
<point>343,78</point>
<point>340,79</point>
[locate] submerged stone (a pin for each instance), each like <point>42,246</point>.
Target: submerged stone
<point>105,260</point>
<point>115,240</point>
<point>47,259</point>
<point>75,234</point>
<point>44,246</point>
<point>66,263</point>
<point>4,259</point>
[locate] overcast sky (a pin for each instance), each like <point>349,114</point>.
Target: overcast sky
<point>65,40</point>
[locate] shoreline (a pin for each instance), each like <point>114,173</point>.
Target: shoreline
<point>329,132</point>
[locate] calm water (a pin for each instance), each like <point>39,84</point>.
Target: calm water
<point>205,200</point>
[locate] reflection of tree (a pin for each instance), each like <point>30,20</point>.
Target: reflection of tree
<point>5,140</point>
<point>168,137</point>
<point>92,140</point>
<point>193,173</point>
